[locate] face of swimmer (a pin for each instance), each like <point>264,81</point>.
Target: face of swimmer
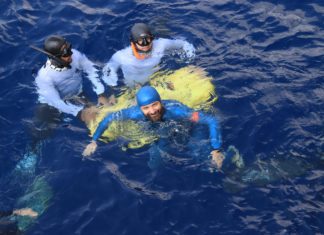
<point>144,44</point>
<point>142,37</point>
<point>153,111</point>
<point>66,54</point>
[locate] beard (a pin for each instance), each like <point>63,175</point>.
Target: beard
<point>156,116</point>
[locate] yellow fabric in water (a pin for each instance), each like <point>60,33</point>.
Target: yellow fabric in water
<point>190,86</point>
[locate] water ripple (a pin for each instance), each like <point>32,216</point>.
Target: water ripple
<point>266,59</point>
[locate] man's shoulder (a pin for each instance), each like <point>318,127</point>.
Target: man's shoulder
<point>161,42</point>
<point>77,55</point>
<point>175,109</point>
<point>118,55</point>
<point>44,73</point>
<point>76,52</point>
<point>173,104</point>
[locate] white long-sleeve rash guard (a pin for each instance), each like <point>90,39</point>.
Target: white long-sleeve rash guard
<point>139,71</point>
<point>56,86</point>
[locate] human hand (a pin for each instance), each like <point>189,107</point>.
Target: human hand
<point>217,158</point>
<point>103,100</point>
<point>89,114</point>
<point>90,149</point>
<point>25,212</point>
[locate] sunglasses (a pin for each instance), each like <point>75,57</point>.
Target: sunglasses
<point>145,41</point>
<point>66,51</point>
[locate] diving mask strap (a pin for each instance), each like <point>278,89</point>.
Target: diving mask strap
<point>51,56</point>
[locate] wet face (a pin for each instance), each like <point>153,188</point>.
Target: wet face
<point>66,54</point>
<point>67,59</point>
<point>153,111</point>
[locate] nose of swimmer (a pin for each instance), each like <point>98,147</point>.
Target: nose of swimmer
<point>145,42</point>
<point>152,111</point>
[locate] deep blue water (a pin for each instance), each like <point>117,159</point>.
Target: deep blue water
<point>266,60</point>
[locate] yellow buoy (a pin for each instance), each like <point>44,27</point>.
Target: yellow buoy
<point>189,85</point>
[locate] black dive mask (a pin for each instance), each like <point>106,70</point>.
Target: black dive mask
<point>55,59</point>
<point>66,52</point>
<point>144,40</point>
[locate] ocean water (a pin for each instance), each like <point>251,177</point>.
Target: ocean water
<point>266,60</point>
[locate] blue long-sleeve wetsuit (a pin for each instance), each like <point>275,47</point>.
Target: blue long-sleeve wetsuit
<point>173,110</point>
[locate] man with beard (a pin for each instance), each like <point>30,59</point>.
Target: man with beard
<point>152,109</point>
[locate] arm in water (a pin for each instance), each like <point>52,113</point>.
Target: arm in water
<point>132,113</point>
<point>182,111</point>
<point>110,76</point>
<point>177,44</point>
<point>217,157</point>
<point>48,94</point>
<point>92,74</point>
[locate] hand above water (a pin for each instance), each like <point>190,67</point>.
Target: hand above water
<point>90,149</point>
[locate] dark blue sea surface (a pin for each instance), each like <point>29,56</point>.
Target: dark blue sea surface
<point>266,59</point>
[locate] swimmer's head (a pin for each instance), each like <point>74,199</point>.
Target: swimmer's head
<point>142,37</point>
<point>59,47</point>
<point>147,95</point>
<point>149,101</point>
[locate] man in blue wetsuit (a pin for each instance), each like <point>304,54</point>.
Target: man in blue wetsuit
<point>150,107</point>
